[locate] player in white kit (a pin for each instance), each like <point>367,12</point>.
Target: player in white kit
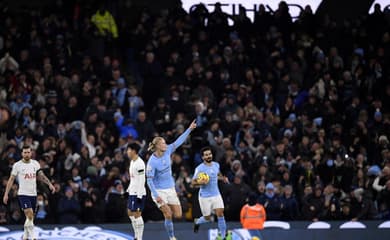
<point>27,171</point>
<point>136,189</point>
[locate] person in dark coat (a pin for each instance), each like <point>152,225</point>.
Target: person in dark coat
<point>68,208</point>
<point>290,210</point>
<point>116,204</point>
<point>272,203</point>
<point>312,205</point>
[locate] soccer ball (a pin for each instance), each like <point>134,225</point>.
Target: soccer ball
<point>203,176</point>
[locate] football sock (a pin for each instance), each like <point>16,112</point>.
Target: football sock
<point>222,226</point>
<point>132,219</point>
<point>169,227</point>
<point>139,224</point>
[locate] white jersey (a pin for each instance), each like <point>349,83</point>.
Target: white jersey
<point>26,175</point>
<point>137,178</point>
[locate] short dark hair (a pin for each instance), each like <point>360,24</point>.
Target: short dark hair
<point>204,149</point>
<point>26,147</point>
<point>134,146</point>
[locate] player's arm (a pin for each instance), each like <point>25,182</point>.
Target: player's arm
<point>10,182</point>
<point>140,179</point>
<point>181,139</point>
<point>150,171</point>
<point>223,178</point>
<point>195,182</point>
<point>42,177</point>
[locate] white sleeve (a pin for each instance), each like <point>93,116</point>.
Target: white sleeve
<point>140,178</point>
<point>376,186</point>
<point>15,170</point>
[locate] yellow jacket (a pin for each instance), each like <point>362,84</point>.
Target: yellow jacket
<point>105,24</point>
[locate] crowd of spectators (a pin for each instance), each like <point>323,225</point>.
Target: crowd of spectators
<point>295,111</point>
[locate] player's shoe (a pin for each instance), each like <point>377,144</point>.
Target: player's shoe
<point>195,226</point>
<point>172,238</point>
<point>228,236</point>
<point>25,235</point>
<point>30,231</point>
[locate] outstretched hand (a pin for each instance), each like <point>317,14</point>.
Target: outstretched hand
<point>52,188</point>
<point>5,199</point>
<point>193,125</point>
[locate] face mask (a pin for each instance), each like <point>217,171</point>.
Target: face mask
<point>329,162</point>
<point>41,203</point>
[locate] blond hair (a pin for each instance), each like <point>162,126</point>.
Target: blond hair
<point>153,143</point>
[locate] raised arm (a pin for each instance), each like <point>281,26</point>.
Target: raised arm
<point>181,139</point>
<point>42,177</point>
<point>8,188</point>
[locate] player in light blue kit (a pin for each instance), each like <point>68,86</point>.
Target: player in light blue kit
<point>209,196</point>
<point>160,180</point>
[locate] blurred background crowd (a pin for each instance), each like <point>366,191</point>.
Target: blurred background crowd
<point>296,110</point>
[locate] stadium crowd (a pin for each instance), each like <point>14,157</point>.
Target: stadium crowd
<point>295,111</point>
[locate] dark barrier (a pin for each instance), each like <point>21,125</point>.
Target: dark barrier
<point>296,231</point>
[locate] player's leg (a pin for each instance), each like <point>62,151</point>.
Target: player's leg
<point>29,223</point>
<point>131,201</point>
<point>219,211</point>
<point>139,225</point>
<point>132,221</point>
<point>28,204</point>
<point>205,207</point>
<point>139,221</point>
<point>168,223</point>
<point>135,208</point>
<point>166,211</point>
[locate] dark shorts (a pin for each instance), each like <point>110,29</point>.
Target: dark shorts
<point>27,202</point>
<point>136,204</point>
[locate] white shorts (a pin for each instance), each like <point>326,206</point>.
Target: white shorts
<point>169,196</point>
<point>208,204</point>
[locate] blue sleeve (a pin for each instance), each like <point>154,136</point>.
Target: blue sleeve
<point>196,173</point>
<point>149,179</point>
<point>119,122</point>
<point>180,140</point>
<point>151,186</point>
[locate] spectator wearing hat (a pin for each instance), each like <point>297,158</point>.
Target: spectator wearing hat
<point>253,216</point>
<point>271,202</point>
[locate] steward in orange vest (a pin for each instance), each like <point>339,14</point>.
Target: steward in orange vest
<point>253,214</point>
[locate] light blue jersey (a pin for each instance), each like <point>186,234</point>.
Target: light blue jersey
<point>159,171</point>
<point>211,188</point>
